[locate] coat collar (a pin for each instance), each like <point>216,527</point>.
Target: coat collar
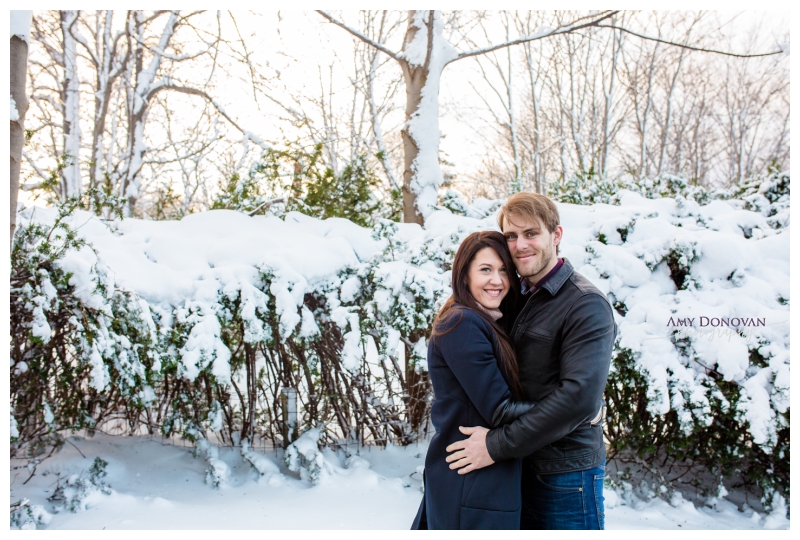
<point>558,279</point>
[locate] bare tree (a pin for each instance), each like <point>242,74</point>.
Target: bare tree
<point>590,94</point>
<point>135,60</point>
<point>750,123</point>
<point>424,56</point>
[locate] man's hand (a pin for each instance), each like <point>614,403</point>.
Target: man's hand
<point>470,454</point>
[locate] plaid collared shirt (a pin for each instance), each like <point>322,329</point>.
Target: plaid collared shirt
<point>526,288</point>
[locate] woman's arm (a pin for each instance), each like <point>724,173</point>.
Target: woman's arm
<point>467,350</point>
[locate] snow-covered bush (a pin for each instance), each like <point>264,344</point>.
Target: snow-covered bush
<point>26,516</point>
<point>710,398</point>
<point>305,457</point>
<point>218,471</point>
<point>700,376</point>
<point>453,201</point>
<point>263,465</point>
<point>218,313</point>
<point>586,188</point>
<point>75,336</point>
<point>767,194</point>
<point>80,491</point>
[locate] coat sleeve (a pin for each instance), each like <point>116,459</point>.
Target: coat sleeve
<point>509,410</point>
<point>588,341</point>
<point>467,350</point>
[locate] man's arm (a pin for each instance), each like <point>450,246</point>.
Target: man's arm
<point>586,347</point>
<point>588,340</point>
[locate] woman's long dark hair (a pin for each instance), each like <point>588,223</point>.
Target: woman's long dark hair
<point>471,245</point>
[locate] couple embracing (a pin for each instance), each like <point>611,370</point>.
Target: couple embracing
<point>518,359</point>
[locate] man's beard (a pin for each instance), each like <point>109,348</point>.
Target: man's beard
<point>545,258</point>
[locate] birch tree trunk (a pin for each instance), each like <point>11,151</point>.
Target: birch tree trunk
<point>373,110</point>
<point>141,93</point>
<point>20,28</point>
<point>71,173</point>
<point>108,68</point>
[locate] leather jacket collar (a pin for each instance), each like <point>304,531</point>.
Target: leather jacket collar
<point>558,279</point>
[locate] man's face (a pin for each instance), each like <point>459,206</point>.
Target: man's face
<point>532,246</point>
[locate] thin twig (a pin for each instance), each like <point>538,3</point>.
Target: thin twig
<point>75,447</point>
<point>33,472</point>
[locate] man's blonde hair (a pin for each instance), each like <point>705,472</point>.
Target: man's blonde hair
<point>530,207</point>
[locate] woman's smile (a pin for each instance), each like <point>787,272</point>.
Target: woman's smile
<point>488,278</point>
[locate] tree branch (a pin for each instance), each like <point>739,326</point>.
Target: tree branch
<point>197,92</point>
<point>553,32</point>
<point>38,171</point>
<point>360,36</point>
<point>700,49</point>
<point>81,39</point>
<point>266,204</point>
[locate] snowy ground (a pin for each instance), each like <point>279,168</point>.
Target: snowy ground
<point>160,486</point>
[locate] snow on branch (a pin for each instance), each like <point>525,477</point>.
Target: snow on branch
<point>684,46</point>
<point>80,38</point>
<point>145,78</point>
<point>360,36</point>
<point>542,33</point>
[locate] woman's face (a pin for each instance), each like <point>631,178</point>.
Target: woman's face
<point>488,279</point>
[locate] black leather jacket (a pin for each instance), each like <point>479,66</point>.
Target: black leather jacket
<point>563,334</point>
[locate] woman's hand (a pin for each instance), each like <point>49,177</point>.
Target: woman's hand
<point>470,454</point>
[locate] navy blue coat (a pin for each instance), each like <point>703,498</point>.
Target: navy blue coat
<point>468,386</point>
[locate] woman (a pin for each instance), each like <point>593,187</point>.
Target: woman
<point>475,382</point>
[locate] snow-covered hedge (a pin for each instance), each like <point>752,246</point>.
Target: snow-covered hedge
<point>202,322</point>
<point>709,270</point>
<point>196,326</point>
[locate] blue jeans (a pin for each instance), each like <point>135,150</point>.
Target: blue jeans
<point>563,501</point>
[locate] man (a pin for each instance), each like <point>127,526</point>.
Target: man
<point>563,334</point>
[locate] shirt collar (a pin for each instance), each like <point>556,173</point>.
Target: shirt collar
<point>526,288</point>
